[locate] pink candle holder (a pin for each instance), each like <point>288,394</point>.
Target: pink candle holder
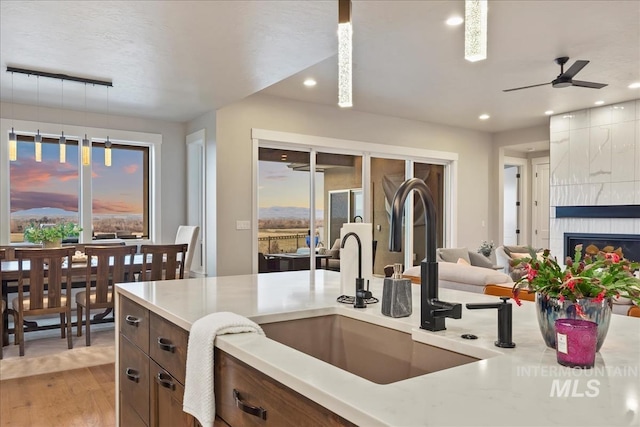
<point>576,342</point>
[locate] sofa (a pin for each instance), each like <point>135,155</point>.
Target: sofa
<point>463,270</point>
<point>463,255</point>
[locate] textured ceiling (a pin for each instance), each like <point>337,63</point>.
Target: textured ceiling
<point>175,60</point>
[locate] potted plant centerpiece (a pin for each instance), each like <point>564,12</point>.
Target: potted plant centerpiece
<point>51,235</point>
<point>584,288</point>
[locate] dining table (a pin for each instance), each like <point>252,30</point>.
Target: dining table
<point>10,273</point>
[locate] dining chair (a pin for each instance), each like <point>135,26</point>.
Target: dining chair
<point>3,305</point>
<point>106,266</point>
<point>163,262</point>
<point>188,234</point>
<point>48,279</point>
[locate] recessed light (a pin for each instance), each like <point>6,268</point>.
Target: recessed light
<point>454,20</point>
<point>635,85</point>
<point>483,116</point>
<point>531,149</point>
<point>599,102</point>
<point>310,83</point>
<point>548,112</point>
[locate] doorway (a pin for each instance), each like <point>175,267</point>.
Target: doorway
<point>196,198</point>
<point>515,216</point>
<point>540,220</point>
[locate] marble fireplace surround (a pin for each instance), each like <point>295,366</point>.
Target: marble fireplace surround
<point>595,173</point>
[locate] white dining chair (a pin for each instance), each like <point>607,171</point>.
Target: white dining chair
<point>188,234</point>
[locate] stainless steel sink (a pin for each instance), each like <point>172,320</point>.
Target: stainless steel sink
<point>373,352</point>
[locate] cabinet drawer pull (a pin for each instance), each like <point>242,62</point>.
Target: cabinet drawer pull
<point>132,374</point>
<point>132,320</point>
<point>165,381</point>
<point>166,345</point>
<point>249,409</point>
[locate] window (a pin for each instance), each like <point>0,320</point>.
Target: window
<point>120,202</point>
<point>49,192</point>
<point>42,192</point>
<point>361,180</point>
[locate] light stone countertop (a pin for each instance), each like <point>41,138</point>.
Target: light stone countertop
<point>509,387</point>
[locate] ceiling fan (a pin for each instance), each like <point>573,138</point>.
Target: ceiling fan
<point>565,78</point>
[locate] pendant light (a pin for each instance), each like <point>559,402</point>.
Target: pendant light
<point>62,142</point>
<point>107,144</point>
<point>38,138</point>
<point>475,30</point>
<point>345,45</point>
<point>13,140</point>
<point>86,144</point>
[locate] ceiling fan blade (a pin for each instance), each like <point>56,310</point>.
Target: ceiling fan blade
<point>591,85</point>
<point>525,87</point>
<point>574,69</point>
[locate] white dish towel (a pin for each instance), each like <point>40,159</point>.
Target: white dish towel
<point>199,399</point>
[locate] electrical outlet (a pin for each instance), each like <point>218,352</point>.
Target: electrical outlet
<point>243,225</point>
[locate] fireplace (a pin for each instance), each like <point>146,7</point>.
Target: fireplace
<point>630,243</point>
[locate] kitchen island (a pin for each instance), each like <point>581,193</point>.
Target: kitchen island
<point>523,386</point>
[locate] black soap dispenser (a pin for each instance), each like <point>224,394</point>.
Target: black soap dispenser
<point>396,294</point>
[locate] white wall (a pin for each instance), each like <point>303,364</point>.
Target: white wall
<point>173,167</point>
<point>233,126</point>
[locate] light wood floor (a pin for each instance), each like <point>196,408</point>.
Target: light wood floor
<point>80,397</point>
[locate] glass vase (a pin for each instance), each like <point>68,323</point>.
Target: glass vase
<point>549,309</point>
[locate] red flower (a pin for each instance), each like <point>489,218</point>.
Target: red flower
<point>600,296</point>
<point>571,284</point>
<point>531,272</point>
<point>561,298</point>
<point>515,293</point>
<point>614,257</point>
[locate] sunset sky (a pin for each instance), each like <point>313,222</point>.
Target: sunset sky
<point>282,186</point>
<point>116,189</point>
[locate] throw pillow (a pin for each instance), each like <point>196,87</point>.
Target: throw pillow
<point>480,260</point>
<point>510,250</point>
<point>453,254</point>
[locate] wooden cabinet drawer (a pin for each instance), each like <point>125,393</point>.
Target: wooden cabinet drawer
<point>168,346</point>
<point>283,406</point>
<point>134,378</point>
<point>134,323</point>
<point>166,399</point>
<point>128,416</point>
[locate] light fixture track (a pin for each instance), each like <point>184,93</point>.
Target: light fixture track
<point>58,76</point>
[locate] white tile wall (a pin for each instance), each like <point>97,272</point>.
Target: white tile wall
<point>559,163</point>
<point>579,159</point>
<point>623,152</point>
<point>599,154</point>
<point>595,160</point>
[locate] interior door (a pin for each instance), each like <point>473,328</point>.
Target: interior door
<point>541,205</point>
<point>511,205</point>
